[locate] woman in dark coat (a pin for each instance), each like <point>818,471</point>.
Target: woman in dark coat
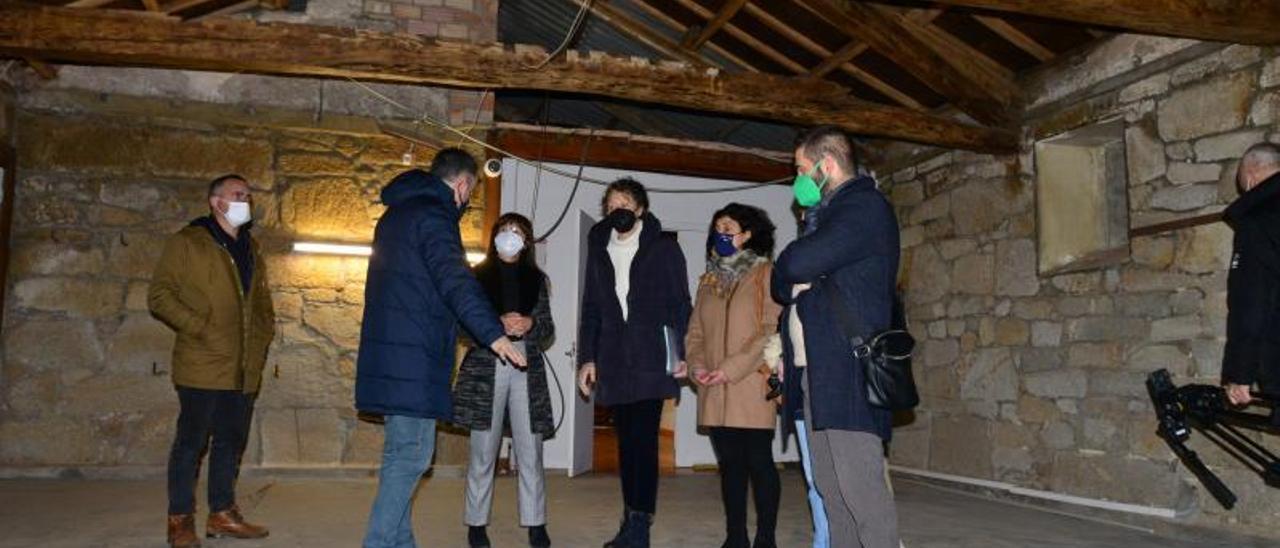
<point>490,390</point>
<point>635,311</point>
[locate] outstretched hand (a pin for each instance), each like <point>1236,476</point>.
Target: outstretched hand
<point>508,353</point>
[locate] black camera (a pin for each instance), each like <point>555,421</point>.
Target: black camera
<point>775,386</point>
<point>1180,409</point>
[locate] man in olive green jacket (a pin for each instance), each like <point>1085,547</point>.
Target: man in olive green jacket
<point>210,286</point>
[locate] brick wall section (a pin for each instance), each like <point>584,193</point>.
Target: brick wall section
<point>1037,380</point>
<point>470,20</point>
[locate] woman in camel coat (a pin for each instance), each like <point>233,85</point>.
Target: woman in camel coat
<point>733,318</point>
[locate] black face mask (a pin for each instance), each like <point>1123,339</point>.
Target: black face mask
<point>622,220</point>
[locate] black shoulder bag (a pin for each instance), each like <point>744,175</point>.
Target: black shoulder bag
<point>885,356</point>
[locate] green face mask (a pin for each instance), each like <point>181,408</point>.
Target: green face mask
<point>808,192</point>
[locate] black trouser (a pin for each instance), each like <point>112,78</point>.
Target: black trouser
<point>225,416</point>
<point>742,454</point>
<point>636,425</point>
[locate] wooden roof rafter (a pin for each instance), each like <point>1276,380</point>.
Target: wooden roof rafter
<point>746,38</point>
<point>243,45</point>
<point>973,83</point>
<point>722,16</point>
<point>681,29</point>
<point>1240,21</point>
<point>842,59</point>
<point>631,27</point>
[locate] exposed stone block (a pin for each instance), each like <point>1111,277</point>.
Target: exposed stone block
<point>73,296</point>
<point>1205,248</point>
<point>1016,268</point>
<point>1185,173</point>
<point>1061,383</point>
<point>1177,328</point>
<point>1144,154</point>
<point>961,446</point>
<point>1206,108</point>
<point>991,377</point>
<point>1227,147</point>
<point>1151,358</point>
<point>1185,198</point>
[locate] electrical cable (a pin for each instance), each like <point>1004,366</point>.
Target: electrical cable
<point>568,36</point>
<point>577,181</point>
<point>746,185</point>
<point>564,405</point>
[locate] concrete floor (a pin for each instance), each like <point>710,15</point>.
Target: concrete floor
<point>583,513</point>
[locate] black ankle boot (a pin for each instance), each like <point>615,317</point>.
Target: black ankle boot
<point>538,537</point>
<point>477,537</point>
<point>764,541</point>
<point>624,529</point>
<point>640,524</point>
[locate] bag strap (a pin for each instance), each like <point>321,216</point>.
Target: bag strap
<point>849,322</point>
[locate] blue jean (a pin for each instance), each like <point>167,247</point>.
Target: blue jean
<point>406,453</point>
<point>821,533</point>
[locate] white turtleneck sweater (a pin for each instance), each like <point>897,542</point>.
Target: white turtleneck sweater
<point>621,253</point>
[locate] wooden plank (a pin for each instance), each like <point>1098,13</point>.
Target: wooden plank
<point>635,154</point>
<point>928,55</point>
<point>748,39</point>
<point>680,29</point>
<point>1016,37</point>
<point>1240,21</point>
<point>628,25</point>
<point>89,4</point>
<point>183,5</point>
<point>726,12</point>
<point>1176,224</point>
<point>43,69</point>
<point>232,9</point>
<point>818,49</point>
<point>153,5</point>
<point>236,45</point>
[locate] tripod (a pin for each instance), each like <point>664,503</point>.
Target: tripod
<point>1179,409</point>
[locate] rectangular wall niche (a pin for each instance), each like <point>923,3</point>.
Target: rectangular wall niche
<point>1082,204</point>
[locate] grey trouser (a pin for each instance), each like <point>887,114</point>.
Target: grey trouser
<point>510,394</point>
<point>849,469</point>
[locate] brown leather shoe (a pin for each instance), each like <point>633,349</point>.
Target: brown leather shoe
<point>182,531</point>
<point>229,523</point>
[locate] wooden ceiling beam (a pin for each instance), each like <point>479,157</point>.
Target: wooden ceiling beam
<point>747,38</point>
<point>855,48</point>
<point>88,4</point>
<point>241,45</point>
<point>677,157</point>
<point>1016,37</point>
<point>230,9</point>
<point>628,25</point>
<point>886,89</point>
<point>726,12</point>
<point>42,69</point>
<point>1240,21</point>
<point>682,30</point>
<point>929,54</point>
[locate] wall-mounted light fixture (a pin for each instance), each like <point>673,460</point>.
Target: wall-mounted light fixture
<point>353,250</point>
<point>332,249</point>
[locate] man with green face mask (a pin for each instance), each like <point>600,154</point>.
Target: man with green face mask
<point>847,256</point>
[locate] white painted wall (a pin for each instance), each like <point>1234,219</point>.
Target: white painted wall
<point>688,214</point>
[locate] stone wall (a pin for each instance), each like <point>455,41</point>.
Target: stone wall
<point>1038,381</point>
<point>112,160</point>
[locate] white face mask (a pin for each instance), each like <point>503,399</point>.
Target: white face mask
<point>238,213</point>
<point>508,243</point>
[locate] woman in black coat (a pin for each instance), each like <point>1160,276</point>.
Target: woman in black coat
<point>490,390</point>
<point>635,311</point>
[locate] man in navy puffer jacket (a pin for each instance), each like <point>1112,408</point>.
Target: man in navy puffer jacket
<point>417,291</point>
